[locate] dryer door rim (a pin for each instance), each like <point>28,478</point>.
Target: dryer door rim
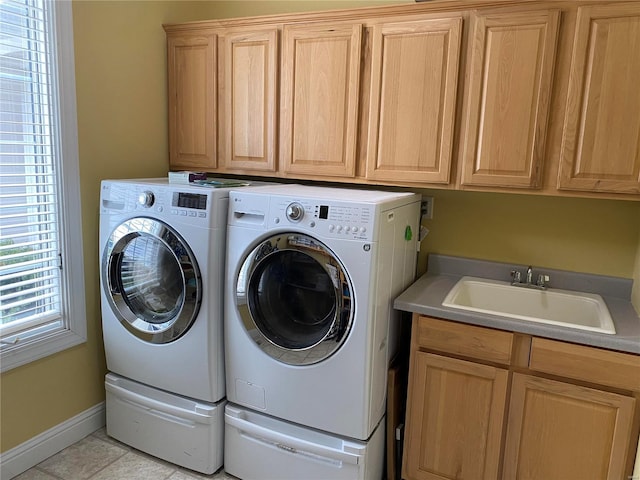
<point>292,323</point>
<point>168,242</point>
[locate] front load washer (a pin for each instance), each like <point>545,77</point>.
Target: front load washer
<point>309,324</point>
<point>162,252</point>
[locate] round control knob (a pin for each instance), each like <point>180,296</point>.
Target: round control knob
<point>146,199</point>
<point>295,212</point>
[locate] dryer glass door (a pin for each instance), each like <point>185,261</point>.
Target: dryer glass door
<point>151,279</point>
<point>294,298</point>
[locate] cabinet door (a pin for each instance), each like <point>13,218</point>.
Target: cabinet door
<point>511,60</point>
<point>248,100</point>
<point>559,430</point>
<point>601,137</point>
<point>454,420</point>
<point>319,99</point>
<point>192,101</point>
<point>413,98</point>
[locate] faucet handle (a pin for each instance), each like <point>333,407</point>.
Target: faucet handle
<point>516,276</point>
<point>542,280</point>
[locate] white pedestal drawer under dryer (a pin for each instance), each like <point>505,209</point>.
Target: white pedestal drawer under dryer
<point>309,324</point>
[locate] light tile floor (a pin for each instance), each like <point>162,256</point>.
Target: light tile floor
<point>99,457</point>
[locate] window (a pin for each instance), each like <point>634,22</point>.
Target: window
<point>42,306</point>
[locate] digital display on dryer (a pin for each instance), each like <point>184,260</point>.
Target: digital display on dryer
<point>189,200</point>
<point>324,212</point>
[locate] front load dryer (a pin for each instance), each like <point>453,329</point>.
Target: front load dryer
<point>309,325</point>
<point>162,252</point>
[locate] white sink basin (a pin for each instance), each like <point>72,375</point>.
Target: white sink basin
<point>585,311</point>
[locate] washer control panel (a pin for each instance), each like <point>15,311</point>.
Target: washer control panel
<point>333,219</point>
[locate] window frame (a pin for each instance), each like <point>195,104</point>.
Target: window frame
<point>71,328</point>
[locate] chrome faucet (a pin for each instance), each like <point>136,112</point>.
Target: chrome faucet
<point>540,284</point>
<point>529,275</point>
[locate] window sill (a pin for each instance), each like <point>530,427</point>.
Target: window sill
<point>31,349</point>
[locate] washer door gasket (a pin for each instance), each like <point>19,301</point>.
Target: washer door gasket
<point>151,280</point>
<point>294,299</point>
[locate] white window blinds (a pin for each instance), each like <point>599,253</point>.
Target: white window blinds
<point>29,252</point>
<point>33,232</point>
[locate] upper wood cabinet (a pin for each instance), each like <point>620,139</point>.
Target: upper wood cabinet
<point>192,102</point>
<point>601,137</point>
<point>248,100</point>
<point>414,80</point>
<point>537,97</point>
<point>507,97</point>
<point>319,98</point>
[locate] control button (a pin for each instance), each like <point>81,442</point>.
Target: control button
<point>183,213</point>
<point>339,228</point>
<point>312,224</point>
<point>332,228</point>
<point>363,229</point>
<point>192,214</point>
<point>347,229</point>
<point>159,209</point>
<point>174,211</point>
<point>202,214</point>
<point>146,199</point>
<point>295,212</point>
<point>276,220</point>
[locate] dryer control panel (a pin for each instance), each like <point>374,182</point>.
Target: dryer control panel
<point>187,205</point>
<point>331,219</point>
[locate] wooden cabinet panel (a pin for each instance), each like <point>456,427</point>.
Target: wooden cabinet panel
<point>601,137</point>
<point>413,98</point>
<point>283,96</point>
<point>454,419</point>
<point>466,340</point>
<point>319,99</point>
<point>248,100</point>
<point>192,101</point>
<point>510,71</point>
<point>559,430</point>
<point>604,367</point>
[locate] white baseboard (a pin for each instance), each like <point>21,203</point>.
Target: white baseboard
<point>30,453</point>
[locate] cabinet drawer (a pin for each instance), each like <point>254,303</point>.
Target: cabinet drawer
<point>467,340</point>
<point>604,367</point>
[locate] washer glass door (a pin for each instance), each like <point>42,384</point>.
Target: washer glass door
<point>152,280</point>
<point>294,299</point>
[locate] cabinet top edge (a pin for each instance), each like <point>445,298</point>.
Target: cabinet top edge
<point>426,6</point>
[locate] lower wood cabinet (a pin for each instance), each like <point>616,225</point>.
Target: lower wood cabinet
<point>454,404</point>
<point>560,430</point>
<point>474,412</point>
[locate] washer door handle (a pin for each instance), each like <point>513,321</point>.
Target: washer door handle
<point>112,272</point>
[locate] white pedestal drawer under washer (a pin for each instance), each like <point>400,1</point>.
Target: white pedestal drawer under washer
<point>309,326</point>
